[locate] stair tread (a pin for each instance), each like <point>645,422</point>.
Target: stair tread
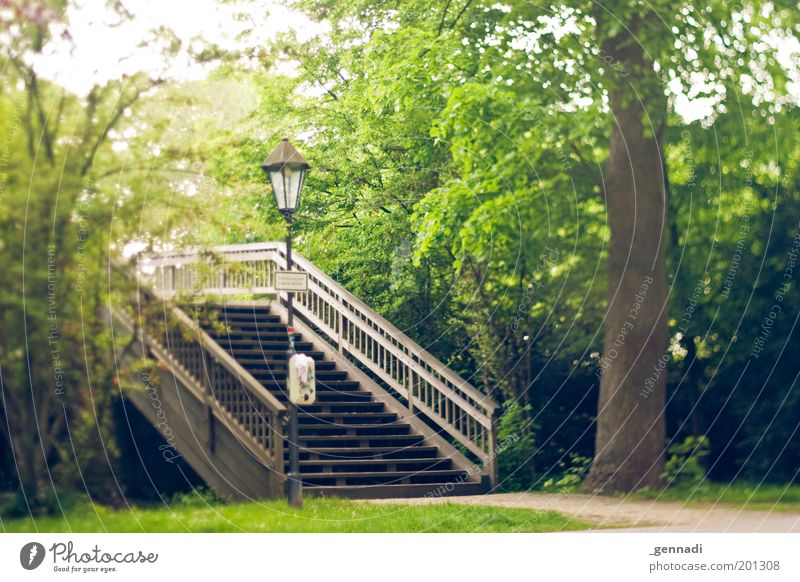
<point>393,474</point>
<point>347,462</point>
<point>257,327</point>
<point>378,450</point>
<point>303,414</point>
<point>392,424</point>
<point>258,352</point>
<point>371,404</point>
<point>391,491</point>
<point>252,333</point>
<point>280,366</point>
<point>377,437</point>
<point>247,341</point>
<point>349,393</point>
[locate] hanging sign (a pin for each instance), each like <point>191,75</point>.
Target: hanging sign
<point>291,281</point>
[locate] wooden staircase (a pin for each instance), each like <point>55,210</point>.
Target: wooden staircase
<point>390,419</point>
<point>351,445</point>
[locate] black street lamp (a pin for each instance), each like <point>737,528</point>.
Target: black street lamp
<point>286,170</point>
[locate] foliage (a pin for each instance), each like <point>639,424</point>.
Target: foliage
<point>68,199</point>
<point>458,151</point>
<point>684,466</point>
<point>572,476</point>
<point>515,428</point>
<point>492,121</point>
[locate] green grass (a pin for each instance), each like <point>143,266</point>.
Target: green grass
<point>317,515</point>
<point>742,495</point>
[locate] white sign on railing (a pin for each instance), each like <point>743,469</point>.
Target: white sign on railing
<point>291,281</point>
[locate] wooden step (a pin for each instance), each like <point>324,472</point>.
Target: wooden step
<point>267,366</point>
<point>384,477</point>
<point>269,355</point>
<point>248,317</point>
<point>322,375</point>
<point>346,418</point>
<point>334,407</point>
<point>257,326</point>
<point>235,320</point>
<point>408,452</point>
<point>266,344</point>
<point>356,430</point>
<point>227,308</point>
<point>396,491</point>
<point>339,386</point>
<point>315,466</point>
<point>324,396</point>
<point>311,442</point>
<point>240,334</point>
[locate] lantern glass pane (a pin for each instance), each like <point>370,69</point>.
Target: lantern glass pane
<point>293,180</point>
<point>276,179</point>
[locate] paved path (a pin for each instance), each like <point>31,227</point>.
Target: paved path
<point>633,515</point>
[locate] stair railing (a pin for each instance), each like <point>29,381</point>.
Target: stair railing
<point>419,378</point>
<point>250,410</point>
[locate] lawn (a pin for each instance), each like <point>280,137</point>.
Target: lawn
<point>742,495</point>
<point>316,515</point>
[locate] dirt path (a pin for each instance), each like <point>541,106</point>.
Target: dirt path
<point>634,515</point>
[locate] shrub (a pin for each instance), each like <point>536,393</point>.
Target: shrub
<point>684,465</point>
<point>516,446</point>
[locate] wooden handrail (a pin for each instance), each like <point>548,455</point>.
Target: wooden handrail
<point>212,367</point>
<point>229,363</point>
<point>413,347</point>
<point>188,256</point>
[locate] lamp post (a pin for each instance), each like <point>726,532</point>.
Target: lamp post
<point>286,170</point>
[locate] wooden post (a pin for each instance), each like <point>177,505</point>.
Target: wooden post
<point>212,430</point>
<point>491,468</point>
<point>410,388</point>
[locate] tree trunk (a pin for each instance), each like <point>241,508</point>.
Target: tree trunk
<point>631,434</point>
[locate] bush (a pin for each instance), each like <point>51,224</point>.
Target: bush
<point>684,466</point>
<point>572,475</point>
<point>516,446</point>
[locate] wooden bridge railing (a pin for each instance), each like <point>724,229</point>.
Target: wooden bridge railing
<point>250,410</point>
<point>420,379</point>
